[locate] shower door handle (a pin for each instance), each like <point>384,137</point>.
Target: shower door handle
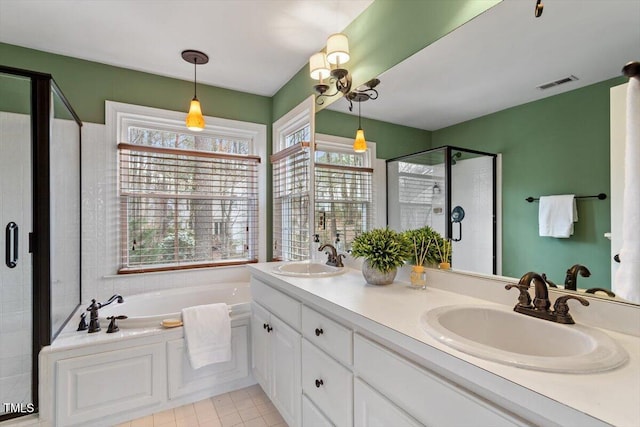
<point>11,245</point>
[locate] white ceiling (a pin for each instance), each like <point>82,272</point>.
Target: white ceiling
<point>497,60</point>
<point>254,46</point>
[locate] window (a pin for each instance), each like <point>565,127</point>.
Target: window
<point>187,200</point>
<point>319,187</point>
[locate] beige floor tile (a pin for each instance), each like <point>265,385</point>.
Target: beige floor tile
<point>254,390</point>
<point>188,421</point>
<point>249,414</point>
<point>163,417</point>
<point>267,408</point>
<point>186,411</point>
<point>273,418</point>
<point>260,399</point>
<point>214,422</point>
<point>245,403</point>
<point>226,409</point>
<point>127,424</point>
<point>143,422</point>
<point>231,420</point>
<point>281,425</point>
<point>222,399</point>
<point>169,424</point>
<point>205,410</point>
<point>238,395</point>
<point>256,422</point>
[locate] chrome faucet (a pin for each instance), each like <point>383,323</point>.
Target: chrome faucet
<point>540,306</point>
<point>571,279</point>
<point>334,258</point>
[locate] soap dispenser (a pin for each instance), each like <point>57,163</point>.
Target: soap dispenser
<point>315,253</point>
<point>338,243</point>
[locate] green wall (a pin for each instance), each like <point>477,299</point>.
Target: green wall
<point>383,35</point>
<point>391,140</point>
<point>558,145</point>
<point>88,84</point>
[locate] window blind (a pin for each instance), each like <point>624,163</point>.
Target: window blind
<point>343,203</point>
<point>291,203</point>
<point>184,208</point>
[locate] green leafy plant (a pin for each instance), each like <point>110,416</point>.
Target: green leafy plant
<point>428,246</point>
<point>385,249</point>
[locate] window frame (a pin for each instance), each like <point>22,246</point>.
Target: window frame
<point>120,116</point>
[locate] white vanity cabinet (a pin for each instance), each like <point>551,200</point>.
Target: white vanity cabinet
<point>276,349</point>
<point>429,398</point>
<point>327,347</point>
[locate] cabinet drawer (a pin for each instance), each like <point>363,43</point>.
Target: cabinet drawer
<point>427,397</point>
<point>330,336</point>
<point>311,416</point>
<point>371,409</point>
<point>283,306</point>
<point>328,384</point>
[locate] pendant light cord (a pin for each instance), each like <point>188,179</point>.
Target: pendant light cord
<point>359,124</point>
<point>195,77</point>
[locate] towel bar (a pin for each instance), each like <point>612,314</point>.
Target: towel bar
<point>600,196</point>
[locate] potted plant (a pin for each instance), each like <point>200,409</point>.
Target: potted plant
<point>383,250</point>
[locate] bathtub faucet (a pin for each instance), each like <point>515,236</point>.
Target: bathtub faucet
<point>112,299</point>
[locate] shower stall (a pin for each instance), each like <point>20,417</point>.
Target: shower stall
<point>40,220</point>
<point>452,190</point>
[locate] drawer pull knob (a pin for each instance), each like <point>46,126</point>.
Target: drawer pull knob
<point>319,332</point>
<point>267,327</point>
<point>319,383</point>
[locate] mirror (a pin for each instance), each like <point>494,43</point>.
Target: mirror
<point>481,87</point>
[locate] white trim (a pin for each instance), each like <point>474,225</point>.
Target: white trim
<point>118,114</point>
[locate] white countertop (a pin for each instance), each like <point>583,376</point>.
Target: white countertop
<point>611,396</point>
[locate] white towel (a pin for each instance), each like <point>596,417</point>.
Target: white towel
<point>556,215</point>
<point>207,331</point>
<point>627,280</point>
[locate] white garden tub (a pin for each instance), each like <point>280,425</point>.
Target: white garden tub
<point>150,309</point>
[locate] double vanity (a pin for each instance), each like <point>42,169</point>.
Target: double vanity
<point>330,350</point>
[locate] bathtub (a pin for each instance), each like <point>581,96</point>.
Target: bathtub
<point>149,362</point>
<point>150,309</point>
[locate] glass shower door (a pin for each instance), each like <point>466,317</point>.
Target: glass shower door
<point>16,267</point>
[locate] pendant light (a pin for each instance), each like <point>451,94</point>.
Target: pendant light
<point>360,144</point>
<point>195,119</point>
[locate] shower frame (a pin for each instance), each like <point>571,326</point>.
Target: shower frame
<point>42,87</point>
<point>448,149</point>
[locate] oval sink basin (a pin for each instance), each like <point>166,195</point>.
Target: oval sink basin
<point>307,269</point>
<point>526,342</point>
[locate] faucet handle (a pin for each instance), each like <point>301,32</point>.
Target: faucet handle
<point>561,308</point>
<point>524,299</point>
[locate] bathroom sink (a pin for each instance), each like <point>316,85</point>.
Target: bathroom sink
<point>512,338</point>
<point>308,269</point>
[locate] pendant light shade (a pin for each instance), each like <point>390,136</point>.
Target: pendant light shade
<point>360,144</point>
<point>195,119</point>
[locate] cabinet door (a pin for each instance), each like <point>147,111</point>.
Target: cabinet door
<point>371,409</point>
<point>260,346</point>
<point>285,370</point>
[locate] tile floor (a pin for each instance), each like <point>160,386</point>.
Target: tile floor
<point>248,407</point>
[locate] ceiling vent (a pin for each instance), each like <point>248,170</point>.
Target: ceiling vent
<point>557,82</point>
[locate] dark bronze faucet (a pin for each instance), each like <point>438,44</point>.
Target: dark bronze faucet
<point>334,258</point>
<point>571,279</point>
<point>540,306</point>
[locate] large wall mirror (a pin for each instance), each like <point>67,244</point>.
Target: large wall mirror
<point>536,91</point>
